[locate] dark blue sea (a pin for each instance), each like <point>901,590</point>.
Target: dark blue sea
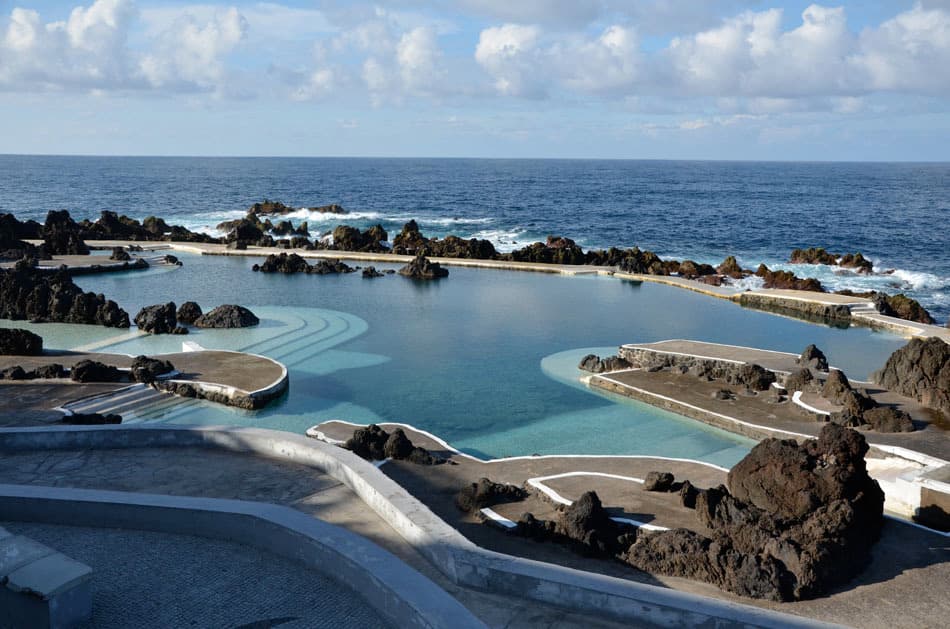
<point>896,214</point>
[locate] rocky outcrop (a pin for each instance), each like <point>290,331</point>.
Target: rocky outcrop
<point>595,364</point>
<point>27,293</point>
<point>119,254</point>
<point>800,519</point>
<point>289,263</point>
<point>188,312</point>
<point>18,342</point>
<point>243,230</point>
<point>95,371</point>
<point>375,444</point>
<point>370,272</point>
<point>159,319</point>
<point>112,226</point>
<point>859,410</point>
<point>787,280</point>
<point>227,316</point>
<point>583,525</point>
<point>420,268</point>
<point>52,370</point>
<point>659,481</point>
<point>346,238</point>
<point>902,307</point>
<point>730,268</point>
<point>61,235</point>
<point>145,369</point>
<point>919,370</point>
<point>557,250</point>
<point>817,255</point>
<point>410,241</point>
<point>13,234</point>
<point>813,358</point>
<point>485,493</point>
<point>270,207</point>
<point>750,376</point>
<point>801,380</point>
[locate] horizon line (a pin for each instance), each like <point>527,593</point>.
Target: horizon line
<point>482,158</point>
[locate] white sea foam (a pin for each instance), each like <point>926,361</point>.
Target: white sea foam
<point>504,240</point>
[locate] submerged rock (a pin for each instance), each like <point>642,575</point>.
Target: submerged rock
<point>919,370</point>
<point>420,268</point>
<point>18,342</point>
<point>227,316</point>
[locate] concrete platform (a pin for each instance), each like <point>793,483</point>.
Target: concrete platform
<point>223,376</point>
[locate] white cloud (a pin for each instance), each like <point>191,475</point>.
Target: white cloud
<point>191,52</point>
<point>509,54</point>
<point>85,50</point>
<point>418,56</point>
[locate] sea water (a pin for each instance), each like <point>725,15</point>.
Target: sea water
<point>898,215</point>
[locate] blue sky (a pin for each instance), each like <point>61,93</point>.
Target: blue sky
<point>676,79</point>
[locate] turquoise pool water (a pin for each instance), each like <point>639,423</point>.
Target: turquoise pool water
<point>485,359</point>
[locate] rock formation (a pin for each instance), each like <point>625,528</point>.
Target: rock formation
<point>659,481</point>
<point>596,364</point>
<point>346,238</point>
<point>409,241</point>
<point>920,370</point>
<point>227,316</point>
<point>817,255</point>
<point>18,342</point>
<point>800,519</point>
<point>813,358</point>
<point>902,307</point>
<point>375,444</point>
<point>188,312</point>
<point>485,493</point>
<point>730,268</point>
<point>13,233</point>
<point>370,272</point>
<point>159,319</point>
<point>119,254</point>
<point>91,419</point>
<point>26,293</point>
<point>557,250</point>
<point>787,280</point>
<point>421,268</point>
<point>145,369</point>
<point>95,371</point>
<point>61,235</point>
<point>289,263</point>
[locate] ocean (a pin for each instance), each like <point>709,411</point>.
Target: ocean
<point>896,214</point>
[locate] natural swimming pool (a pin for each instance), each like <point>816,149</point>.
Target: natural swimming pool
<point>485,359</point>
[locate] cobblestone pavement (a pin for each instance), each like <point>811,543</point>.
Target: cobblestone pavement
<point>144,579</point>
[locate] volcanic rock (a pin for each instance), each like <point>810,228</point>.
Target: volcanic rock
<point>346,238</point>
<point>27,293</point>
<point>188,312</point>
<point>421,268</point>
<point>15,372</point>
<point>888,419</point>
<point>801,519</point>
<point>787,280</point>
<point>596,364</point>
<point>730,268</point>
<point>835,387</point>
<point>800,380</point>
<point>145,369</point>
<point>371,271</point>
<point>375,444</point>
<point>95,371</point>
<point>19,342</point>
<point>658,481</point>
<point>157,319</point>
<point>120,254</point>
<point>902,307</point>
<point>814,255</point>
<point>227,316</point>
<point>920,370</point>
<point>814,358</point>
<point>486,493</point>
<point>61,235</point>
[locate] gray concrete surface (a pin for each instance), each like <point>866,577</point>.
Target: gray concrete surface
<point>146,579</point>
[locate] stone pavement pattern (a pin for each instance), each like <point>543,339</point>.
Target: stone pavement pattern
<point>145,579</point>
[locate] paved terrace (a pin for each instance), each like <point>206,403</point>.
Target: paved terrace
<point>210,473</point>
<point>862,310</point>
<point>239,373</point>
<point>898,585</point>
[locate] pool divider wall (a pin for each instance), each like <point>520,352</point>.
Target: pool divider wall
<point>449,551</point>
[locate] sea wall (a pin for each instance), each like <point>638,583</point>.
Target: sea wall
<point>838,315</point>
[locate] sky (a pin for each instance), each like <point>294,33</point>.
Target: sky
<point>629,79</point>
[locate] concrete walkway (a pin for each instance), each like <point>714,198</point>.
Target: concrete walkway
<point>146,579</point>
<point>220,474</point>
